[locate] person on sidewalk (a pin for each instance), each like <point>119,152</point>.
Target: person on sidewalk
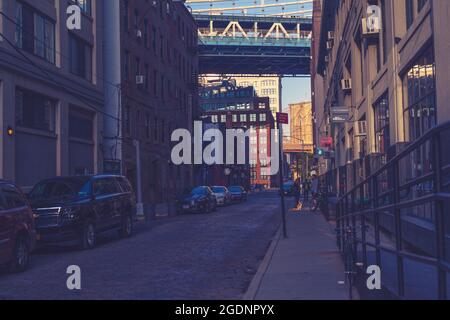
<point>306,189</point>
<point>297,193</point>
<point>315,191</point>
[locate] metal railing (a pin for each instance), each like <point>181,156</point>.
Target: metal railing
<point>400,216</point>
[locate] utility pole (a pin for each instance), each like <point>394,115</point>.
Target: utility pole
<point>281,157</point>
<point>283,204</point>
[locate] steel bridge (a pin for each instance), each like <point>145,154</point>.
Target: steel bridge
<point>254,45</point>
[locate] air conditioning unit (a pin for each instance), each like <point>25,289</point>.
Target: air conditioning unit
<point>140,79</point>
<point>361,128</point>
<point>327,58</point>
<point>330,35</point>
<point>139,34</point>
<point>154,3</point>
<point>346,84</point>
<point>371,26</point>
<point>330,44</point>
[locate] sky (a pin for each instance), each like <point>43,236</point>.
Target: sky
<point>296,90</point>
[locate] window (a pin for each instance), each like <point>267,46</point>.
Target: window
<point>34,111</point>
<point>155,82</point>
<point>262,117</point>
<point>138,66</point>
<point>85,5</point>
<point>214,119</point>
<point>146,35</point>
<point>81,124</point>
<point>80,58</point>
<point>136,20</point>
<point>419,82</point>
<point>126,14</point>
<point>146,75</point>
<point>409,6</point>
<point>382,136</point>
<point>384,31</point>
<point>223,118</point>
<point>126,65</point>
<point>235,118</point>
<point>243,118</point>
<point>127,121</point>
<point>163,130</point>
<point>147,126</point>
<point>253,117</point>
<point>106,187</point>
<point>12,197</point>
<point>154,45</point>
<point>35,33</point>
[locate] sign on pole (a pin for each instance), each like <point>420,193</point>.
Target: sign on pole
<point>282,118</point>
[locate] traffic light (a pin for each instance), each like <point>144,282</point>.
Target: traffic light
<point>320,152</point>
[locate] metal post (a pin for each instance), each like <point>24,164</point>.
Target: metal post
<point>281,157</point>
<point>376,221</point>
<point>398,231</point>
<point>440,219</point>
<point>283,204</point>
<point>139,204</point>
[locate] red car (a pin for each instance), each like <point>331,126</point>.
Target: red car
<point>17,232</point>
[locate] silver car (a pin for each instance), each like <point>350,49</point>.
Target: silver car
<point>222,194</point>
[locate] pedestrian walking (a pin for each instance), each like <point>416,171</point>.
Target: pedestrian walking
<point>306,189</point>
<point>297,190</point>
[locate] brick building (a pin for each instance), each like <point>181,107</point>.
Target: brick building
<point>233,107</point>
<point>155,43</point>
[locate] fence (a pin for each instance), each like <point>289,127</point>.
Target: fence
<point>400,217</point>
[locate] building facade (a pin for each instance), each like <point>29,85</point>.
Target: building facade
<point>300,137</point>
<point>155,92</point>
<point>299,143</point>
<point>264,87</point>
<point>51,90</point>
<point>232,107</point>
<point>381,80</point>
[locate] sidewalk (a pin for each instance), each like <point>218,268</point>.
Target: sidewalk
<point>306,266</point>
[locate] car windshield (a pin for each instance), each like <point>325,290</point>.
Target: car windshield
<point>288,185</point>
<point>61,189</point>
<point>218,189</point>
<point>235,189</point>
<point>198,191</point>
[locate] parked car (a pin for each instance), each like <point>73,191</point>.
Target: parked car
<point>238,194</point>
<point>17,232</point>
<point>222,194</point>
<point>198,200</point>
<point>288,188</point>
<point>259,187</point>
<point>77,209</point>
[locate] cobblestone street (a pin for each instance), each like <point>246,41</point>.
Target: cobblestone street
<point>210,256</point>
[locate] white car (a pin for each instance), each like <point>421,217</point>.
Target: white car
<point>222,194</point>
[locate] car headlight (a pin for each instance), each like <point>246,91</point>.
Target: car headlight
<point>70,213</point>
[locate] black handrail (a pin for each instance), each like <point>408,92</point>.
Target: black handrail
<point>351,208</point>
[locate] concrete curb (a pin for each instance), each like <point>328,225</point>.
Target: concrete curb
<point>255,284</point>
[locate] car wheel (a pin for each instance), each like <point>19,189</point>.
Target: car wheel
<point>89,236</point>
<point>126,229</point>
<point>21,255</point>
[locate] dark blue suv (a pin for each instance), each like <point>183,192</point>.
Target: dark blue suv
<point>76,209</point>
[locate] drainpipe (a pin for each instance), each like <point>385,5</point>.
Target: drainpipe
<point>139,205</point>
